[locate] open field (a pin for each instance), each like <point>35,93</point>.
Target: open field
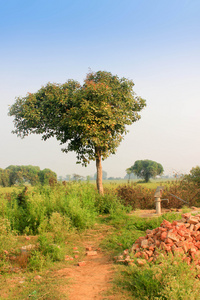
<point>107,183</point>
<point>152,184</point>
<point>10,189</point>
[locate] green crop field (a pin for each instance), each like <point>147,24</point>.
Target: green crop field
<point>151,185</point>
<point>10,189</point>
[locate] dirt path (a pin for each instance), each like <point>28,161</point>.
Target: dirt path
<point>92,278</point>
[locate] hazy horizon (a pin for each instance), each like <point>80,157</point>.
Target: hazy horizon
<point>154,43</point>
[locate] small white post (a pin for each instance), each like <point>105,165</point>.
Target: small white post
<point>158,205</point>
<point>157,197</point>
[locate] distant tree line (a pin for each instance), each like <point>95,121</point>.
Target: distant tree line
<point>18,175</point>
<point>76,177</point>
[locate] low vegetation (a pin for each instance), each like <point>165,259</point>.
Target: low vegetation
<point>167,278</point>
<point>39,226</point>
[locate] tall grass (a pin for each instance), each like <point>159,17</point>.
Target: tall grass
<point>30,211</point>
<point>170,279</point>
<point>52,213</point>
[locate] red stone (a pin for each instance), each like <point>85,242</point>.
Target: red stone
<point>81,263</point>
<point>144,243</point>
<point>150,259</point>
<point>163,236</point>
<point>173,237</point>
<point>149,252</point>
<point>141,262</point>
<point>138,254</point>
<point>88,248</point>
<point>193,220</point>
<point>91,253</point>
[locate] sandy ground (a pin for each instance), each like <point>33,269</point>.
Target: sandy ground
<point>91,280</point>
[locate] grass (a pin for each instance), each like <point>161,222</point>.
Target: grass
<point>129,228</point>
<point>167,279</point>
<point>54,220</point>
<point>170,280</point>
<point>9,190</point>
<point>163,280</point>
<point>152,184</point>
<point>44,285</point>
<point>38,277</point>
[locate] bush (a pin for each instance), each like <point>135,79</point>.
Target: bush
<point>194,176</point>
<point>169,279</point>
<point>75,204</point>
<point>182,189</point>
<point>136,196</point>
<point>37,261</point>
<point>59,226</point>
<point>48,249</point>
<point>139,197</point>
<point>109,203</point>
<point>7,236</point>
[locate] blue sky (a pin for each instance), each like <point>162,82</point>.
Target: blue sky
<point>156,43</point>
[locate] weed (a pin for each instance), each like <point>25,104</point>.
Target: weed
<point>171,279</point>
<point>50,250</point>
<point>60,226</point>
<point>37,261</point>
<point>7,236</point>
<point>185,209</point>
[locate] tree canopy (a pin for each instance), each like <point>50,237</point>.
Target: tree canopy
<point>194,175</point>
<point>146,169</point>
<point>25,174</point>
<point>89,119</point>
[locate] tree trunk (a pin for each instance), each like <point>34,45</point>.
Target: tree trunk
<point>147,177</point>
<point>99,171</point>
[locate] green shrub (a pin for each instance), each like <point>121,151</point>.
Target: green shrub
<point>49,249</point>
<point>59,226</point>
<point>109,203</point>
<point>37,261</point>
<point>194,176</point>
<point>169,279</point>
<point>76,204</point>
<point>7,236</point>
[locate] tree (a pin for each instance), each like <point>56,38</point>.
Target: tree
<point>22,174</point>
<point>4,178</point>
<point>146,169</point>
<point>25,174</point>
<point>77,177</point>
<point>46,176</point>
<point>194,176</point>
<point>90,119</point>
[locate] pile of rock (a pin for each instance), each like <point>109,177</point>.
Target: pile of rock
<point>181,236</point>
